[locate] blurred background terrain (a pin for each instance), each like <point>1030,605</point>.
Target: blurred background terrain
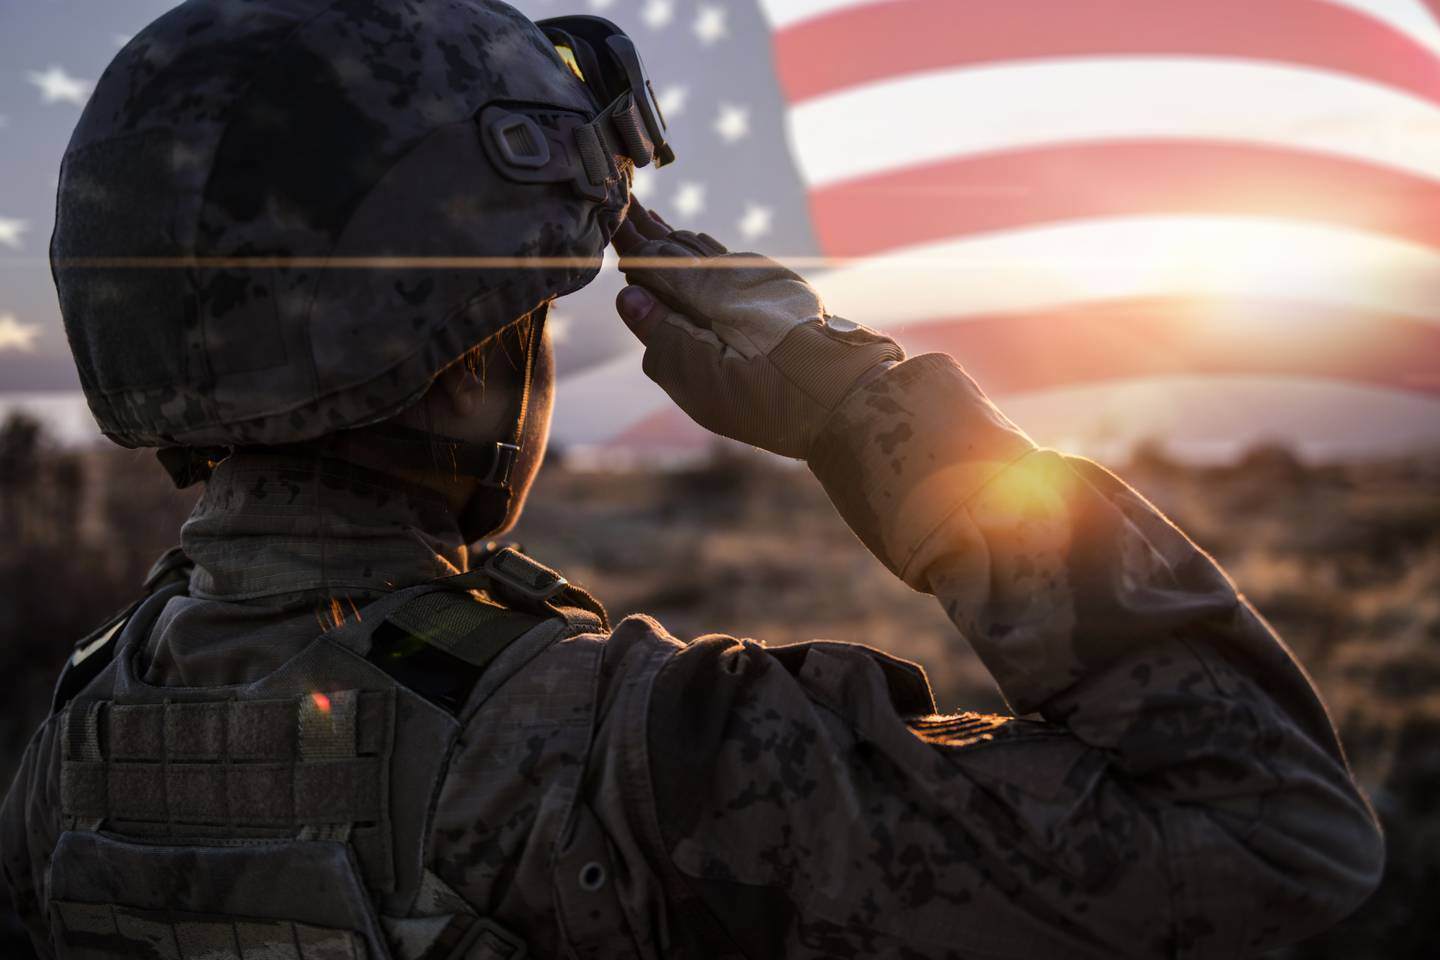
<point>1343,558</point>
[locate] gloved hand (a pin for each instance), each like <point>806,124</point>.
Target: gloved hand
<point>741,344</point>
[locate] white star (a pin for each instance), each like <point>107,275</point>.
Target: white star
<point>671,101</point>
<point>733,122</point>
<point>642,182</point>
<point>657,13</point>
<point>15,335</point>
<point>756,222</point>
<point>710,24</point>
<point>10,231</point>
<point>689,199</point>
<point>58,86</point>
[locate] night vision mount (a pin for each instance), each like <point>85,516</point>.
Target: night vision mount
<point>532,146</point>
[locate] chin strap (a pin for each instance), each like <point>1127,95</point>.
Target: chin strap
<point>493,464</point>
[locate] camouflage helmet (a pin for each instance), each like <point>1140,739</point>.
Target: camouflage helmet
<point>281,218</point>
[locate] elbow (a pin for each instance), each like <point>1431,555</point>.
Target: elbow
<point>1336,857</point>
<point>1351,860</point>
<point>1324,830</point>
<point>1310,858</point>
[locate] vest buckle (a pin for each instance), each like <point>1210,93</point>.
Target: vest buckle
<point>521,578</point>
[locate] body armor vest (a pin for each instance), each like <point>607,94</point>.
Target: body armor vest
<point>285,818</point>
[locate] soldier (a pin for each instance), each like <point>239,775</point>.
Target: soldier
<point>330,729</point>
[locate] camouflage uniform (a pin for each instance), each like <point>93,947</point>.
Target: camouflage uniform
<point>1180,791</point>
<point>445,764</point>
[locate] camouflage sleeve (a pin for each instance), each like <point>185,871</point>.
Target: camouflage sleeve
<point>29,830</point>
<point>1182,795</point>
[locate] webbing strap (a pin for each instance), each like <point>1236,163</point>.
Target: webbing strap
<point>595,155</point>
<point>631,128</point>
<point>524,583</point>
<point>317,760</point>
<point>84,930</point>
<point>618,131</point>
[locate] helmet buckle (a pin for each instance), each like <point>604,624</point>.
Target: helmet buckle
<point>502,465</point>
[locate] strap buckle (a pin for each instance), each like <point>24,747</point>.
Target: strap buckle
<point>502,465</point>
<point>523,578</point>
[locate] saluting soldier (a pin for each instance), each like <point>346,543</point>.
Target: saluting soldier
<point>306,249</point>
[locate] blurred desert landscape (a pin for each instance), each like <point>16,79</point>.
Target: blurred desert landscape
<point>1343,558</point>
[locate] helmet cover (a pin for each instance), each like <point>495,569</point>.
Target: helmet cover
<point>276,218</point>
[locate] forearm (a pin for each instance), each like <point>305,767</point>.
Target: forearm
<point>1050,566</point>
<point>1091,609</point>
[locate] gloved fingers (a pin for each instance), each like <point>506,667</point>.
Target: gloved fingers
<point>640,311</point>
<point>750,301</point>
<point>638,226</point>
<point>626,238</point>
<point>644,315</point>
<point>697,373</point>
<point>716,248</point>
<point>650,225</point>
<point>743,398</point>
<point>702,244</point>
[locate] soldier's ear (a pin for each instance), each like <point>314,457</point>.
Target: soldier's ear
<point>460,387</point>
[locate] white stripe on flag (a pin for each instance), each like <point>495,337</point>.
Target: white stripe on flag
<point>601,401</point>
<point>933,116</point>
<point>785,13</point>
<point>1124,257</point>
<point>1408,16</point>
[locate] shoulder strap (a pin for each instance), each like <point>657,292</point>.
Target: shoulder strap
<point>442,638</point>
<point>96,649</point>
<point>523,583</point>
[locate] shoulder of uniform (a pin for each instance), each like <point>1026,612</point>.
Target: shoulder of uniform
<point>94,651</point>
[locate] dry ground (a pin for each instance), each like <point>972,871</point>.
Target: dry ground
<point>1344,560</point>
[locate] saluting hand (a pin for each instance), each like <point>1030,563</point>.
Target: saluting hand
<point>741,344</point>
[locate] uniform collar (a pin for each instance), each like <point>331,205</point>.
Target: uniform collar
<point>282,525</point>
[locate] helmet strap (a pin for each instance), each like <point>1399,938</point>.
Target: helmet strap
<point>491,463</point>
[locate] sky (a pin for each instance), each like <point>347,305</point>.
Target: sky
<point>744,167</point>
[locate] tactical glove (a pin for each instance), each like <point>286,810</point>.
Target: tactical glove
<point>741,344</point>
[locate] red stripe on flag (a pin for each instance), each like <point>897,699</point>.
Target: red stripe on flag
<point>1146,338</point>
<point>998,191</point>
<point>1168,337</point>
<point>881,40</point>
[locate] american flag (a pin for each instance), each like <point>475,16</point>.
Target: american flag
<point>1214,220</point>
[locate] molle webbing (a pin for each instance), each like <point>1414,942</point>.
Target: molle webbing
<point>317,765</point>
<point>109,930</point>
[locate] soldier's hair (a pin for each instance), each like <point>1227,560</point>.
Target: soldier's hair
<point>509,344</point>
